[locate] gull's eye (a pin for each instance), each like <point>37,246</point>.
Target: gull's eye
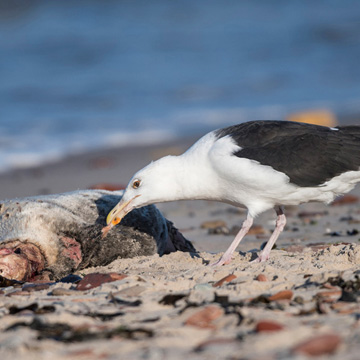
<point>136,183</point>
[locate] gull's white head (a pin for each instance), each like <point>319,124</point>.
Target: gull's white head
<point>157,182</point>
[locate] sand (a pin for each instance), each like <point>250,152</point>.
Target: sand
<point>303,301</point>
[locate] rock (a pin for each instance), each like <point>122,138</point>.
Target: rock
<point>227,278</point>
<point>203,318</point>
<point>319,345</point>
<point>268,326</point>
<point>91,281</point>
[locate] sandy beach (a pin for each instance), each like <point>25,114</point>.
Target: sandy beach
<point>303,302</point>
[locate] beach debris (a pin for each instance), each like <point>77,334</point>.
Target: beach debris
<point>48,237</point>
<point>91,281</point>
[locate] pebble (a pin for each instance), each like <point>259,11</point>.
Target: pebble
<point>203,318</point>
<point>220,230</point>
<point>268,326</point>
<point>213,224</point>
<point>227,278</point>
<point>94,280</point>
<point>319,345</point>
<point>295,249</point>
<point>281,295</point>
<point>261,277</point>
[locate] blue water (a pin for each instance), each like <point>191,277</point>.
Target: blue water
<point>78,75</point>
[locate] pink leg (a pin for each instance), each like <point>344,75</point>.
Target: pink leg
<point>226,258</point>
<point>280,223</point>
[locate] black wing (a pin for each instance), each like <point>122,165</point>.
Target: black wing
<point>308,154</point>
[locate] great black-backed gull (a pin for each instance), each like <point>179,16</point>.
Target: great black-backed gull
<point>259,165</point>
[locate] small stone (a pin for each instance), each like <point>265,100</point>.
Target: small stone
<point>295,249</point>
<point>203,318</point>
<point>261,277</point>
<point>94,280</point>
<point>220,230</point>
<point>299,300</point>
<point>213,224</point>
<point>227,278</point>
<point>268,326</point>
<point>281,295</point>
<point>256,230</point>
<point>319,345</point>
<point>71,278</point>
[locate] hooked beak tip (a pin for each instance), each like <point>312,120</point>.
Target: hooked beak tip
<point>118,212</point>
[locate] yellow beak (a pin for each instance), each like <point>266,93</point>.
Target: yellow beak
<point>116,215</point>
<point>119,211</point>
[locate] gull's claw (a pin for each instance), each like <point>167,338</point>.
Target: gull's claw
<point>224,260</point>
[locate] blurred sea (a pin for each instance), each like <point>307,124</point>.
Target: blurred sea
<point>80,75</point>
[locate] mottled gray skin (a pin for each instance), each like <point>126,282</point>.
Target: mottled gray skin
<point>57,234</point>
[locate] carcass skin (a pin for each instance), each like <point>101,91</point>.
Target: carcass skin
<point>53,235</point>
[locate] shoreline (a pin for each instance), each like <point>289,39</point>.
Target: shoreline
<point>114,166</point>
